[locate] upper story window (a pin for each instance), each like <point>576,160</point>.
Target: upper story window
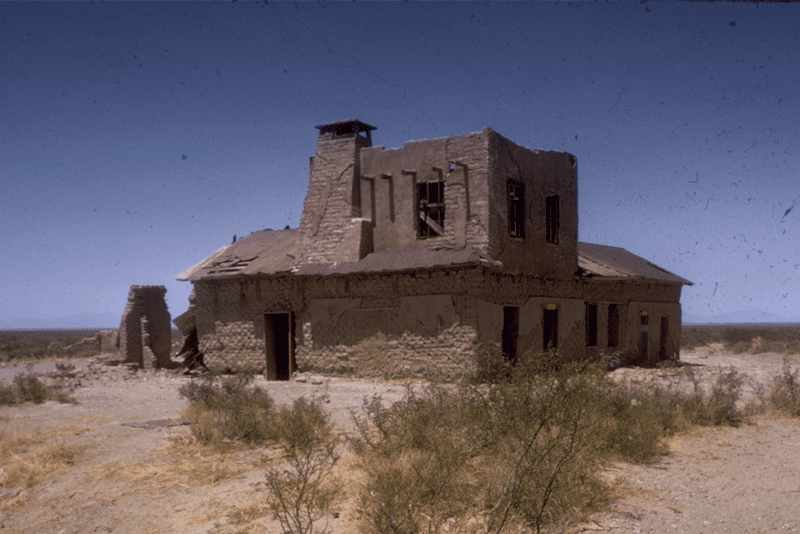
<point>430,209</point>
<point>551,219</point>
<point>516,209</point>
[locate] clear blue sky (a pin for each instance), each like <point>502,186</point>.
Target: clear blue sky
<point>138,138</point>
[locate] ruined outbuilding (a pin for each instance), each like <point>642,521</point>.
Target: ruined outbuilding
<point>145,333</point>
<point>409,259</point>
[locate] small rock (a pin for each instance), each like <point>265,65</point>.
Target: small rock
<point>10,493</point>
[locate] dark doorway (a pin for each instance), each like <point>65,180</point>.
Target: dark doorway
<point>664,336</point>
<point>644,338</point>
<point>550,329</point>
<point>278,345</point>
<point>510,332</point>
<point>591,325</point>
<point>613,325</point>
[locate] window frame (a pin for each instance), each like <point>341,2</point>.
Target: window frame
<point>429,211</point>
<point>515,192</point>
<point>552,218</point>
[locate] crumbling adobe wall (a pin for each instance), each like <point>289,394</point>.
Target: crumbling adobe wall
<point>431,336</point>
<point>388,192</point>
<point>230,318</point>
<point>418,323</point>
<point>146,301</point>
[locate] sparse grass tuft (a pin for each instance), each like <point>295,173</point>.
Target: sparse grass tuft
<point>27,459</point>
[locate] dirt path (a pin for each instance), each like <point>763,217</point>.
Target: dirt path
<point>124,479</point>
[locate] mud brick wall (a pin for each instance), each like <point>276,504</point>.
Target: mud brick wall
<point>146,301</point>
<point>446,356</point>
<point>234,346</point>
<point>332,200</point>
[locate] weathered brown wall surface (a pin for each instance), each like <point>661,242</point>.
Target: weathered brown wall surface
<point>544,173</point>
<point>332,201</point>
<point>424,322</point>
<point>388,192</point>
<point>146,301</point>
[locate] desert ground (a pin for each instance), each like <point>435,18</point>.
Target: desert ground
<point>133,473</point>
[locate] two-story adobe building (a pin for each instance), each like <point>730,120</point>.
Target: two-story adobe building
<point>406,260</point>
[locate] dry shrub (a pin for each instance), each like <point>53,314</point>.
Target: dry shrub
<point>525,450</point>
<point>302,487</point>
<point>226,408</point>
<point>481,457</point>
<point>784,395</point>
<point>28,388</point>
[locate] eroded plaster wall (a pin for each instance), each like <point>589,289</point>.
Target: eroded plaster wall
<point>424,336</point>
<point>655,312</point>
<point>388,192</point>
<point>420,323</point>
<point>544,173</point>
<point>332,201</point>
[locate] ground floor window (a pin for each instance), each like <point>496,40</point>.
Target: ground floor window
<point>550,327</point>
<point>591,325</point>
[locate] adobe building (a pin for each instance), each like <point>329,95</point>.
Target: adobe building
<point>407,260</point>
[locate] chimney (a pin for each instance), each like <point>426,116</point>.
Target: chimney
<point>332,209</point>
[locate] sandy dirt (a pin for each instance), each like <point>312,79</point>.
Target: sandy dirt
<point>125,480</point>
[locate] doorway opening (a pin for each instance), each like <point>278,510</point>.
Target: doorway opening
<point>550,328</point>
<point>664,337</point>
<point>510,332</point>
<point>279,345</point>
<point>644,338</point>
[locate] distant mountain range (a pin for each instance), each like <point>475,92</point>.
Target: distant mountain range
<point>740,316</point>
<point>79,320</point>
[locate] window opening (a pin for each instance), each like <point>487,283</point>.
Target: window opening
<point>516,209</point>
<point>430,209</point>
<point>551,219</point>
<point>613,325</point>
<point>510,332</point>
<point>591,325</point>
<point>550,328</point>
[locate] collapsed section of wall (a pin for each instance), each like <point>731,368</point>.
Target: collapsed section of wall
<point>146,302</point>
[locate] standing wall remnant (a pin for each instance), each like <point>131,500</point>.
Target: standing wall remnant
<point>146,301</point>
